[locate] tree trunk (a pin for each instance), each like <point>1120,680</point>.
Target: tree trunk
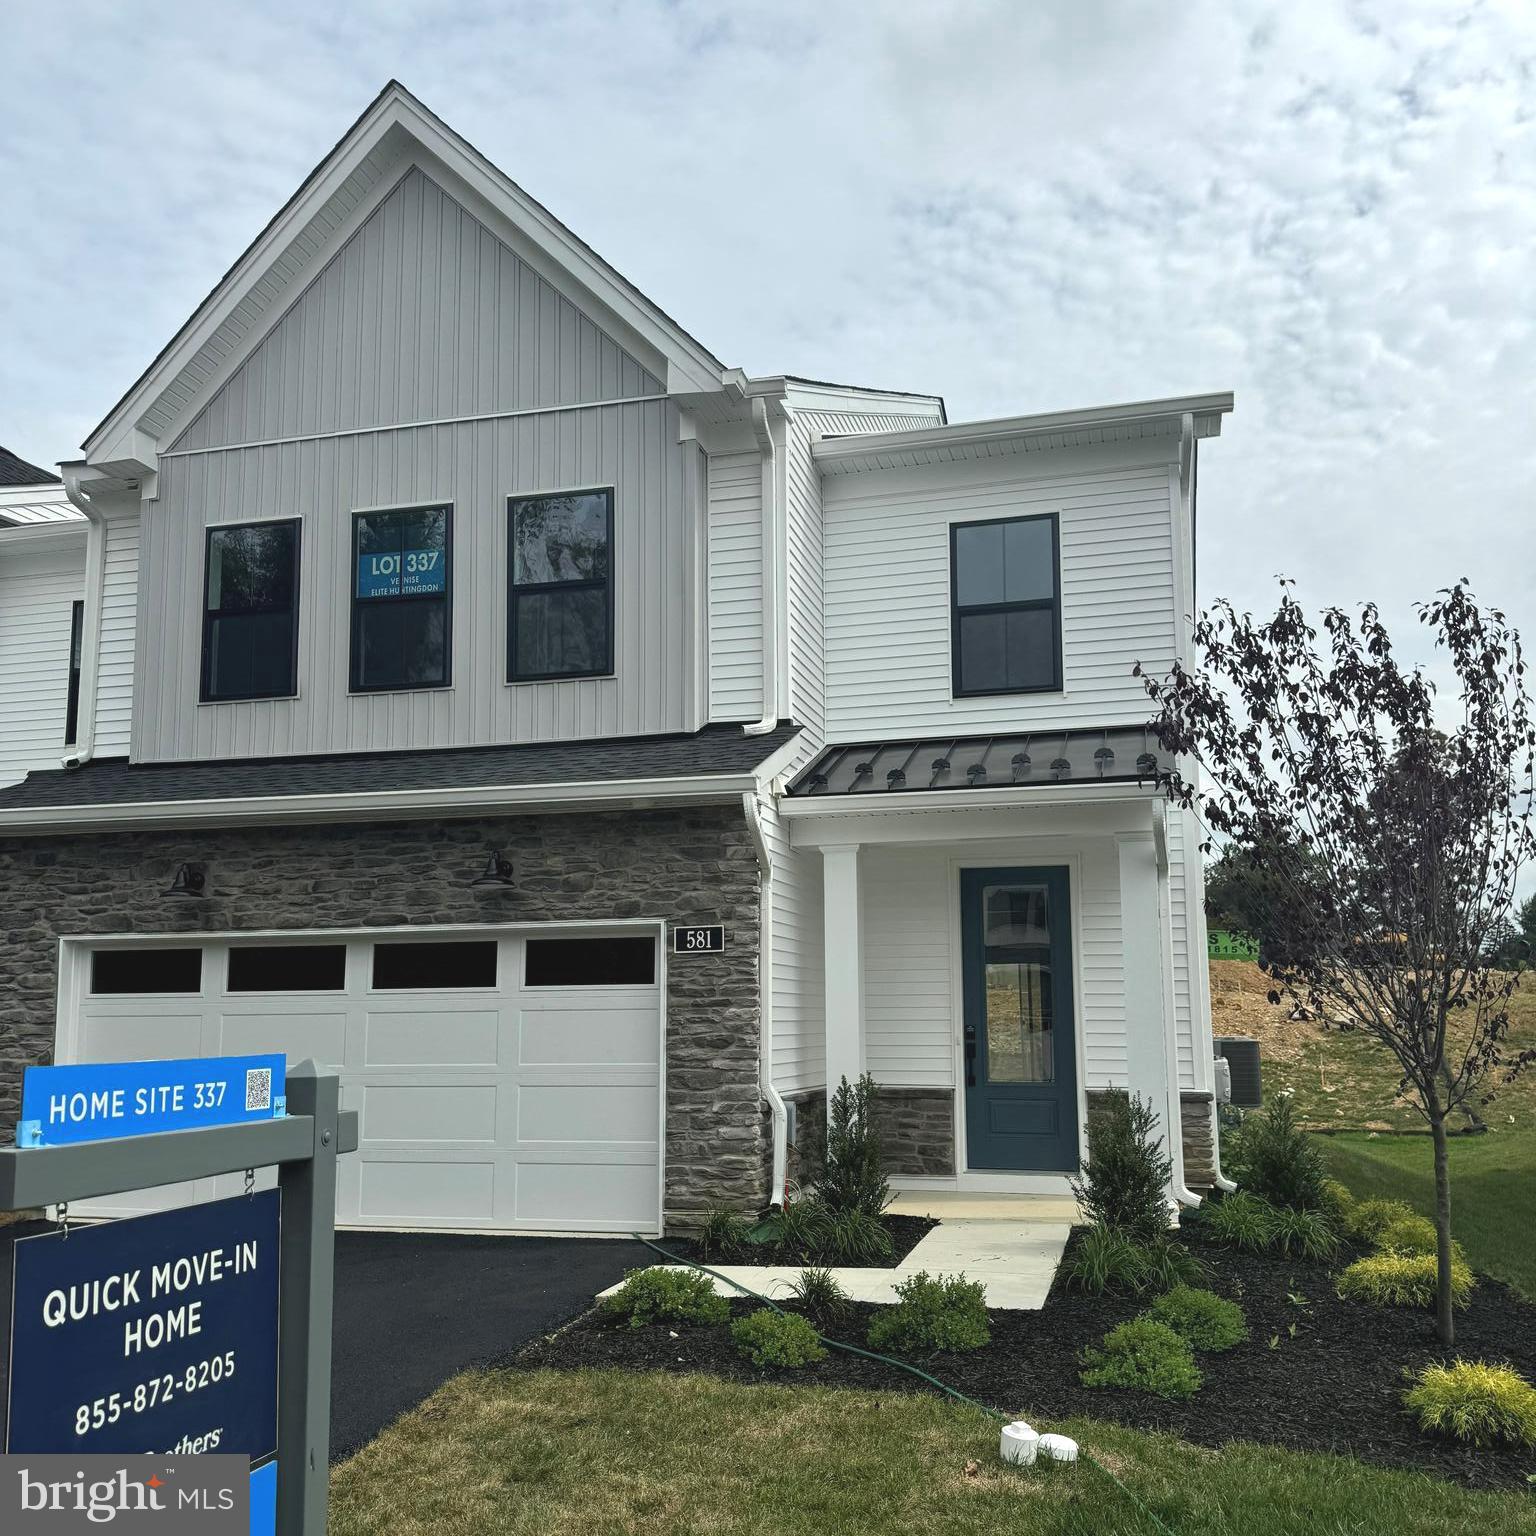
<point>1445,1322</point>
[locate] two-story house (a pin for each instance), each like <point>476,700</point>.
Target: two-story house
<point>593,752</point>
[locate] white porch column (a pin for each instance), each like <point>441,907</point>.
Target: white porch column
<point>1148,1025</point>
<point>843,963</point>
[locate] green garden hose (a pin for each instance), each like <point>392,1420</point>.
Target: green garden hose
<point>901,1365</point>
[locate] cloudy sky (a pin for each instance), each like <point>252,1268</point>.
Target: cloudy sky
<point>1327,208</point>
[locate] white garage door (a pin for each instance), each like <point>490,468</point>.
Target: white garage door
<point>503,1081</point>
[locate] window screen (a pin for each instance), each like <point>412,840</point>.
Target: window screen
<point>287,967</point>
<point>1006,630</point>
<point>591,962</point>
<point>146,970</point>
<point>251,612</point>
<point>401,592</point>
<point>560,622</point>
<point>412,966</point>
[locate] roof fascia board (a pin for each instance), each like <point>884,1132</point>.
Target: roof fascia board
<point>373,805</point>
<point>118,439</point>
<point>829,397</point>
<point>867,803</point>
<point>20,535</point>
<point>983,433</point>
<point>1087,817</point>
<point>365,137</point>
<point>690,366</point>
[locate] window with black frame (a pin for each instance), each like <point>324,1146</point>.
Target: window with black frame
<point>560,622</point>
<point>72,699</point>
<point>251,612</point>
<point>1005,606</point>
<point>402,588</point>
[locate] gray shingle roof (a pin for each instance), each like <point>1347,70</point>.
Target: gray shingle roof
<point>14,471</point>
<point>717,749</point>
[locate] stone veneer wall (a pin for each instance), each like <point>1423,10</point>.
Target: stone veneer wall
<point>1196,1135</point>
<point>694,865</point>
<point>916,1127</point>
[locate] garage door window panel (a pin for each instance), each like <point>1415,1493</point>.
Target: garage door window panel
<point>138,972</point>
<point>591,962</point>
<point>431,967</point>
<point>287,968</point>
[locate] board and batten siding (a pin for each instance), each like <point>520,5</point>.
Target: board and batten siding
<point>422,315</point>
<point>475,466</point>
<point>887,590</point>
<point>119,613</point>
<point>735,586</point>
<point>39,585</point>
<point>911,964</point>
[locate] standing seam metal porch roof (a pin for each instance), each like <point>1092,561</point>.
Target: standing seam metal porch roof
<point>1102,755</point>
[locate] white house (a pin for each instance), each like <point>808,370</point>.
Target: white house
<point>462,655</point>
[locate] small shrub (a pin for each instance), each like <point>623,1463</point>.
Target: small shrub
<point>803,1227</point>
<point>1338,1203</point>
<point>1241,1220</point>
<point>1106,1260</point>
<point>780,1339</point>
<point>1416,1234</point>
<point>855,1238</point>
<point>821,1296</point>
<point>1145,1355</point>
<point>1482,1404</point>
<point>1370,1218</point>
<point>1303,1234</point>
<point>1401,1280</point>
<point>667,1296</point>
<point>934,1316</point>
<point>854,1178</point>
<point>1124,1183</point>
<point>1278,1161</point>
<point>1202,1319</point>
<point>723,1235</point>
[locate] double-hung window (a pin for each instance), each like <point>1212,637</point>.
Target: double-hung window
<point>1005,610</point>
<point>251,611</point>
<point>560,622</point>
<point>401,595</point>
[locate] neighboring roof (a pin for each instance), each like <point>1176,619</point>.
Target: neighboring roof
<point>15,471</point>
<point>29,505</point>
<point>1020,434</point>
<point>1111,755</point>
<point>392,111</point>
<point>715,752</point>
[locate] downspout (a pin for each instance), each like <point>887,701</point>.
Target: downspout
<point>90,635</point>
<point>765,1007</point>
<point>770,523</point>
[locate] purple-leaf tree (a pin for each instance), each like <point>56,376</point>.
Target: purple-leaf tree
<point>1387,823</point>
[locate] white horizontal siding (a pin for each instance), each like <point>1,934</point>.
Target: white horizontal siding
<point>38,589</point>
<point>119,612</point>
<point>887,592</point>
<point>735,586</point>
<point>912,968</point>
<point>1183,849</point>
<point>797,985</point>
<point>804,533</point>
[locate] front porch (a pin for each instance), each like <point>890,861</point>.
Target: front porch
<point>997,959</point>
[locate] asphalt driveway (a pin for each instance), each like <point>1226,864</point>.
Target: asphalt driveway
<point>412,1309</point>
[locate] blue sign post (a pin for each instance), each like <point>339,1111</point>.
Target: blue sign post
<point>103,1100</point>
<point>194,1331</point>
<point>156,1333</point>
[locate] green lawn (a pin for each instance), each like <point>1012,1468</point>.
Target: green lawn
<point>603,1453</point>
<point>1493,1191</point>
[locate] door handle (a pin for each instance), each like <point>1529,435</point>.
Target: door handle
<point>970,1057</point>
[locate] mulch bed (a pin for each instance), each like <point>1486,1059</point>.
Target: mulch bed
<point>906,1233</point>
<point>1333,1385</point>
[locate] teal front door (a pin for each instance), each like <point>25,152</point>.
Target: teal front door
<point>1020,1056</point>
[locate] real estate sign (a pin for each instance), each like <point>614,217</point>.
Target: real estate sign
<point>154,1334</point>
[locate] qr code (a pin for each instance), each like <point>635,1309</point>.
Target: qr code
<point>258,1088</point>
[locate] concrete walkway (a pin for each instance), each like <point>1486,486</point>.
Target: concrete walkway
<point>1012,1244</point>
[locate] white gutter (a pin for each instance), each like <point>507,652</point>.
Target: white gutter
<point>769,526</point>
<point>90,634</point>
<point>765,1007</point>
<point>231,811</point>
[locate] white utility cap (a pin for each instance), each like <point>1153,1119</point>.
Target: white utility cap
<point>1020,1443</point>
<point>1059,1447</point>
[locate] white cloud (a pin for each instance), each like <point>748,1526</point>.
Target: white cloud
<point>1330,208</point>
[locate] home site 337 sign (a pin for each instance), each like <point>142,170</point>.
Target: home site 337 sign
<point>153,1334</point>
<point>100,1101</point>
<point>408,573</point>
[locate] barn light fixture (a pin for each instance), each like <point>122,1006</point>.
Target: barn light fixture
<point>191,883</point>
<point>498,870</point>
